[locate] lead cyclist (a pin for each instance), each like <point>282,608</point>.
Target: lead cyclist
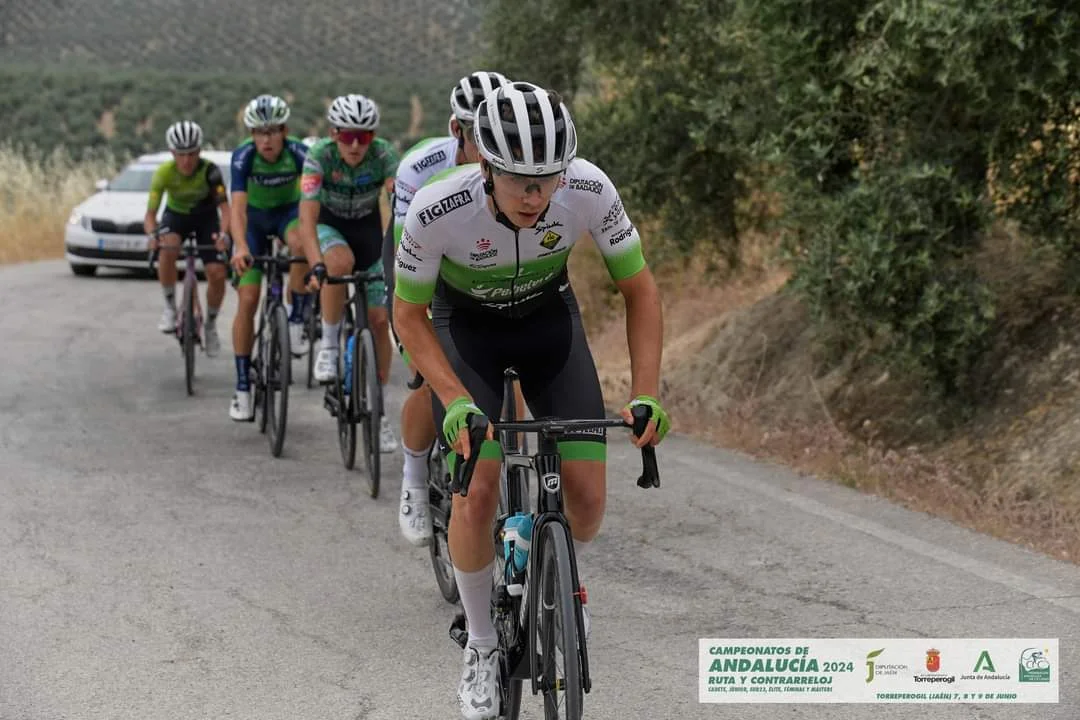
<point>487,246</point>
<point>423,162</point>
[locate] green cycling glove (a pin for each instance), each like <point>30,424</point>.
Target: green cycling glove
<point>657,413</point>
<point>457,417</point>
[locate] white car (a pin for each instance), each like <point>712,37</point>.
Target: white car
<point>106,229</point>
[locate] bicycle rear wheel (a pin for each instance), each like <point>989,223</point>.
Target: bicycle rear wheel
<point>187,327</point>
<point>554,620</point>
<point>278,376</point>
<point>368,391</point>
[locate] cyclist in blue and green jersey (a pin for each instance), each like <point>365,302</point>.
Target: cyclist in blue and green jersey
<point>341,227</point>
<point>193,189</point>
<point>424,162</point>
<point>265,198</point>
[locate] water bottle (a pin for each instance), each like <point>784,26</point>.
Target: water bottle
<point>517,529</point>
<point>348,362</point>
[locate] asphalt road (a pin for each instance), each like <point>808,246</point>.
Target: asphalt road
<point>157,562</point>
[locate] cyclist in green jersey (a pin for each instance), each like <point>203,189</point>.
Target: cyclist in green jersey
<point>266,193</point>
<point>195,191</point>
<point>341,229</point>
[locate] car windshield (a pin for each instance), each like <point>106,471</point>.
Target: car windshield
<point>136,178</point>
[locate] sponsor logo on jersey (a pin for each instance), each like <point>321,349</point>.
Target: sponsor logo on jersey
<point>311,184</point>
<point>614,216</point>
<point>550,240</point>
<point>448,204</point>
<point>337,176</point>
<point>402,265</point>
<point>621,236</point>
<point>428,161</point>
<point>409,252</point>
<point>543,227</point>
<point>593,186</point>
<point>274,180</point>
<point>483,244</point>
<point>484,251</point>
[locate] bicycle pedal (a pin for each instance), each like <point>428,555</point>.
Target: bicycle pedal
<point>458,631</point>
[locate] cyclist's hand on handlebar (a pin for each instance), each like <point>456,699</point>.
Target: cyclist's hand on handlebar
<point>241,259</point>
<point>456,426</point>
<point>316,276</point>
<point>659,422</point>
<point>222,241</point>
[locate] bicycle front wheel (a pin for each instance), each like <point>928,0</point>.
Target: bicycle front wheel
<point>314,332</point>
<point>439,548</point>
<point>555,618</point>
<point>187,325</point>
<point>366,385</point>
<point>278,376</point>
<point>346,417</point>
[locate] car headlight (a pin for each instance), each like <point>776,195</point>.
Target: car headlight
<point>78,218</point>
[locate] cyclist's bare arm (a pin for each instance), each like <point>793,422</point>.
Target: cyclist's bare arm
<point>418,336</point>
<point>238,218</point>
<point>309,236</point>
<point>644,331</point>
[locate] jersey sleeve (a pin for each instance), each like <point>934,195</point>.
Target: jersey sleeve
<point>299,151</point>
<point>416,267</point>
<point>615,235</point>
<point>405,188</point>
<point>157,187</point>
<point>390,160</point>
<point>240,167</point>
<point>216,183</point>
<point>311,178</point>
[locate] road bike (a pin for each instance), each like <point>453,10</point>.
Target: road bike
<point>536,608</point>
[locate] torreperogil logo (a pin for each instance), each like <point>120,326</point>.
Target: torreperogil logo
<point>1034,665</point>
<point>933,665</point>
<point>933,660</point>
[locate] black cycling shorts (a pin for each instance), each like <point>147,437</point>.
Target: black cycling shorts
<point>550,353</point>
<point>204,225</point>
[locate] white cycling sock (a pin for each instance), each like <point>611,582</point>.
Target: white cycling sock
<point>475,591</point>
<point>581,549</point>
<point>330,335</point>
<point>415,477</point>
<point>169,291</point>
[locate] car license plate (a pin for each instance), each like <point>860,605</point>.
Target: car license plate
<point>121,243</point>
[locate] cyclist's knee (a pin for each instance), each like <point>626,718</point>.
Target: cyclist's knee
<point>247,300</point>
<point>379,320</point>
<point>215,272</point>
<point>477,510</point>
<point>585,492</point>
<point>339,261</point>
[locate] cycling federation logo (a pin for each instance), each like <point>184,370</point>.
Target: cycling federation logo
<point>1034,665</point>
<point>875,669</point>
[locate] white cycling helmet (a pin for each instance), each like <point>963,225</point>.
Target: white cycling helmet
<point>266,111</point>
<point>523,129</point>
<point>470,90</point>
<point>184,135</point>
<point>353,112</point>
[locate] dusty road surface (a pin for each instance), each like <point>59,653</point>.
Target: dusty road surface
<point>157,562</point>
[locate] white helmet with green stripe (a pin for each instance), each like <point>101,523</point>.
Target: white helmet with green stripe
<point>266,111</point>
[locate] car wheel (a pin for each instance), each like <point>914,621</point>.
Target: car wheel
<point>84,270</point>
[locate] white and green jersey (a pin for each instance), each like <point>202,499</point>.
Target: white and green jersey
<point>453,247</point>
<point>420,163</point>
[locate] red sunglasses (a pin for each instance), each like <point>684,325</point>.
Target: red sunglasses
<point>364,137</point>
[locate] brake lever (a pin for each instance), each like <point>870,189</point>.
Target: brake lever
<point>463,471</point>
<point>650,474</point>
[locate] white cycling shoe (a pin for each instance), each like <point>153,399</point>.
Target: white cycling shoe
<point>478,692</point>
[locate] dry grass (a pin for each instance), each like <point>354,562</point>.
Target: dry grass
<point>36,198</point>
